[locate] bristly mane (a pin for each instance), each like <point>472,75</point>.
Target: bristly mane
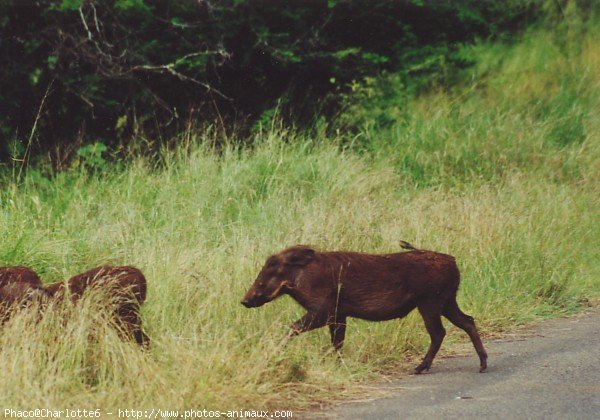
<point>300,247</point>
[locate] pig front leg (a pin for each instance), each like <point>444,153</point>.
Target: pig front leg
<point>337,330</point>
<point>310,321</point>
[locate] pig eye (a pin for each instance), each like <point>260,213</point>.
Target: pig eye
<point>271,263</point>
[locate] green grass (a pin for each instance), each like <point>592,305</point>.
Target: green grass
<point>500,172</point>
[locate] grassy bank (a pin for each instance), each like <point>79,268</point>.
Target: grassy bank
<point>501,172</point>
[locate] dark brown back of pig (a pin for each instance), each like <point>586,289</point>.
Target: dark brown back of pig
<point>127,285</point>
<point>19,274</point>
<point>332,286</point>
<point>128,282</point>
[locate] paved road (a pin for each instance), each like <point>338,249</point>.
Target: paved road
<point>552,373</point>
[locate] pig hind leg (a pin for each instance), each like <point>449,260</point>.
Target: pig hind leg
<point>431,313</point>
<point>467,323</point>
<point>131,325</point>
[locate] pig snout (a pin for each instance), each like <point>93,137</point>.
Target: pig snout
<point>251,302</point>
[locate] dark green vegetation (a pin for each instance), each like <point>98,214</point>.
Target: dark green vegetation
<point>118,70</point>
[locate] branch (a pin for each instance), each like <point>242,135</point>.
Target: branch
<point>170,68</point>
<point>89,33</point>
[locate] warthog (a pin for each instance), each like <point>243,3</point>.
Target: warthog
<point>332,286</point>
<point>19,274</point>
<point>127,286</point>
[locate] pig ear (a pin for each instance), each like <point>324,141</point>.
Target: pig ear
<point>300,256</point>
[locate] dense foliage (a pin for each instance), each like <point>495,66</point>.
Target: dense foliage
<point>108,69</point>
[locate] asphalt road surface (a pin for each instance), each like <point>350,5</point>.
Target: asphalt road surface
<point>551,372</point>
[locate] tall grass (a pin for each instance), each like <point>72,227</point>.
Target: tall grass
<point>501,173</point>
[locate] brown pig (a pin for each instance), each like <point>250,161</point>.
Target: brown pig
<point>332,286</point>
<point>19,286</point>
<point>19,274</point>
<point>17,295</point>
<point>126,284</point>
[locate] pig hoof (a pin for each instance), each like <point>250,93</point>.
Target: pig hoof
<point>422,367</point>
<point>482,369</point>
